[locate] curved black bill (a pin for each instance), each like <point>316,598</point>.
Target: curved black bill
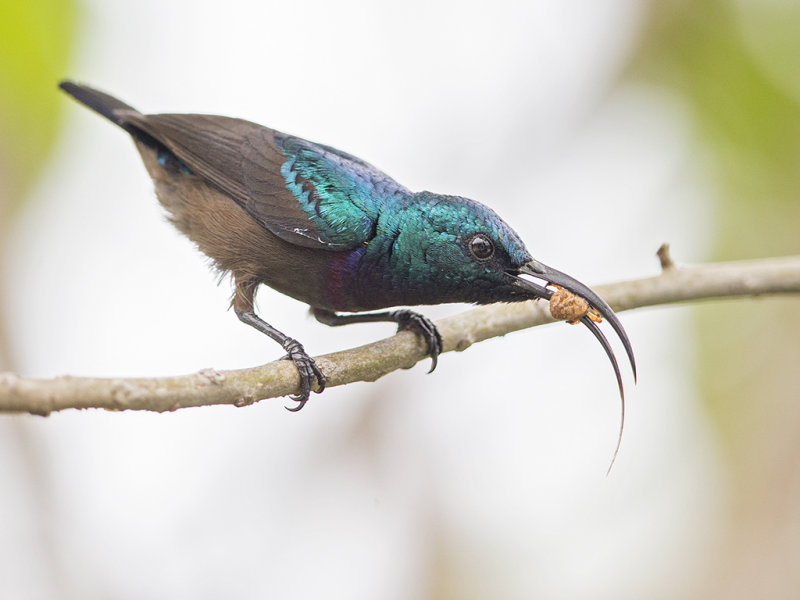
<point>610,353</point>
<point>553,276</point>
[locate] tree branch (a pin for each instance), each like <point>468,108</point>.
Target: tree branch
<point>369,362</point>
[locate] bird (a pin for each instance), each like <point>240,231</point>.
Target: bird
<point>331,230</point>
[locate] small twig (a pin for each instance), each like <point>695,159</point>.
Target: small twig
<point>664,257</point>
<point>369,362</point>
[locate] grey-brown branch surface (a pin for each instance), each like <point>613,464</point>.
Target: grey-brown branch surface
<point>372,361</point>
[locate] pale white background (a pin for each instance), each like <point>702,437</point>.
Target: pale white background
<point>485,479</point>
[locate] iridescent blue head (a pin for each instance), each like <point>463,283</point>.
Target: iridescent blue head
<point>452,249</point>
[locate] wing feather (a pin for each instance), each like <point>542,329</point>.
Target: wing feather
<point>305,193</point>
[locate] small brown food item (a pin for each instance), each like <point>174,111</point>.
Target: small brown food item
<point>566,306</point>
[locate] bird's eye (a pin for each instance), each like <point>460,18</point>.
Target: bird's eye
<point>481,247</point>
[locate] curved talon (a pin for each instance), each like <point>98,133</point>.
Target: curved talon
<point>301,402</point>
<point>592,326</point>
<point>308,371</point>
<point>410,320</point>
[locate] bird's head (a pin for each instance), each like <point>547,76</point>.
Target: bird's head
<point>474,255</point>
<point>465,251</point>
<point>469,250</point>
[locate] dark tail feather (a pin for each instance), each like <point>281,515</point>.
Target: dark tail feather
<point>100,102</point>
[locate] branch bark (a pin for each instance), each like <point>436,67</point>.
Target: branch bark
<point>372,361</point>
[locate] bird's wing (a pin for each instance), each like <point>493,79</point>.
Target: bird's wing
<point>305,193</point>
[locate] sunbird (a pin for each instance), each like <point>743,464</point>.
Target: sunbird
<point>331,230</point>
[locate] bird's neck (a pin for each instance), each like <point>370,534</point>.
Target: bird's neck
<point>391,269</point>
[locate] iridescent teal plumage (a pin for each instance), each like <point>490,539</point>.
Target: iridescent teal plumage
<point>404,248</point>
<point>420,254</point>
<point>340,194</point>
<point>329,229</point>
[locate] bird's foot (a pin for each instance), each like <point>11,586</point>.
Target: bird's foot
<point>308,369</point>
<point>407,319</point>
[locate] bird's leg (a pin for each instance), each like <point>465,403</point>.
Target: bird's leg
<point>405,319</point>
<point>243,307</point>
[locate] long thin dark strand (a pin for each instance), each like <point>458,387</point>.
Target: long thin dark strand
<point>592,326</point>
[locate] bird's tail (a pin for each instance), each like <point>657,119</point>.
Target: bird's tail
<point>112,109</point>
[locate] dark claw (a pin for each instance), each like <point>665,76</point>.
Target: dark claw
<point>308,373</point>
<point>592,326</point>
<point>410,320</point>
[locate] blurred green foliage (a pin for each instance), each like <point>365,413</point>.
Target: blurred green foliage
<point>735,62</point>
<point>36,40</point>
<point>736,66</point>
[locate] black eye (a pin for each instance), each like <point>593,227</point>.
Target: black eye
<point>481,247</point>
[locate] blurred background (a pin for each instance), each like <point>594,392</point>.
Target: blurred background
<point>598,130</point>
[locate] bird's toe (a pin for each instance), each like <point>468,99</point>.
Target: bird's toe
<point>426,328</point>
<point>308,370</point>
